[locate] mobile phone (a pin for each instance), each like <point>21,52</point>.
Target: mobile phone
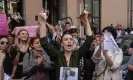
<point>36,18</point>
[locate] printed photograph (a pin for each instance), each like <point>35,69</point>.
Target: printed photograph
<point>68,73</point>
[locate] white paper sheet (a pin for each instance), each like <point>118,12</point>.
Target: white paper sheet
<point>6,77</point>
<point>109,42</point>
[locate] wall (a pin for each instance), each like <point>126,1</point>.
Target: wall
<point>72,11</point>
<point>114,12</point>
<point>31,8</point>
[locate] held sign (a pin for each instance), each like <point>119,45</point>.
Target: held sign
<point>3,25</point>
<point>30,29</point>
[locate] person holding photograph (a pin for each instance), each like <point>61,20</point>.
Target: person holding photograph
<point>107,62</point>
<point>67,58</point>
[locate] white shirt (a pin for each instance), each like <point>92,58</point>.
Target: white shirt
<point>112,72</point>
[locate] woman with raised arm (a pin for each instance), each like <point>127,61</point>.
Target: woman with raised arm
<point>67,58</point>
<point>18,50</point>
<point>107,61</point>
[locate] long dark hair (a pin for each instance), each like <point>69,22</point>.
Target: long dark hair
<point>111,30</point>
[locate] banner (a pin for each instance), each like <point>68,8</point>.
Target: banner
<point>30,29</point>
<point>3,25</point>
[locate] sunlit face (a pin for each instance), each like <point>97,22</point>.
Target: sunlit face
<point>67,42</point>
<point>36,45</point>
<point>3,43</point>
<point>68,26</point>
<point>23,35</point>
<point>68,72</point>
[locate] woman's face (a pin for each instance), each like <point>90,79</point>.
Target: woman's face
<point>68,72</point>
<point>36,44</point>
<point>102,38</point>
<point>98,40</point>
<point>67,42</point>
<point>3,43</point>
<point>24,35</point>
<point>10,39</point>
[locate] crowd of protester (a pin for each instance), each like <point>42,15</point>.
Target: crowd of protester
<point>41,57</point>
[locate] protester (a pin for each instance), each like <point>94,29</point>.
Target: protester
<point>36,63</point>
<point>68,58</point>
<point>3,46</point>
<point>18,50</point>
<point>107,62</point>
<point>67,26</point>
<point>119,30</point>
<point>8,65</point>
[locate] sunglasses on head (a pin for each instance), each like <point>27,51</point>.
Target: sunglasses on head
<point>2,43</point>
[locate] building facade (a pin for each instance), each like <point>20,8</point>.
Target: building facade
<point>103,12</point>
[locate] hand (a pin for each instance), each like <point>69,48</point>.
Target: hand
<point>105,52</point>
<point>39,60</point>
<point>11,77</point>
<point>43,15</point>
<point>14,32</point>
<point>84,18</point>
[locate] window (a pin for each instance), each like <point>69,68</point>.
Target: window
<point>53,7</point>
<point>94,7</point>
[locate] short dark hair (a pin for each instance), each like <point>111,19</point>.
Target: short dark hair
<point>73,30</point>
<point>67,33</point>
<point>67,23</point>
<point>33,39</point>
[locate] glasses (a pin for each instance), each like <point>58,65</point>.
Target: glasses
<point>2,43</point>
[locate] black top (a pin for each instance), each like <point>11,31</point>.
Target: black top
<point>8,66</point>
<point>59,57</point>
<point>19,71</point>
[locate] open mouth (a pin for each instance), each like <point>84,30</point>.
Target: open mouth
<point>69,45</point>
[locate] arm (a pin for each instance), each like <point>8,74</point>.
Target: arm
<point>130,63</point>
<point>85,48</point>
<point>51,28</point>
<point>15,62</point>
<point>130,51</point>
<point>50,50</point>
<point>27,65</point>
<point>116,62</point>
<point>88,29</point>
<point>2,57</point>
<point>97,55</point>
<point>108,59</point>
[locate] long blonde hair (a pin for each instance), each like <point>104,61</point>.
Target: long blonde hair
<point>17,40</point>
